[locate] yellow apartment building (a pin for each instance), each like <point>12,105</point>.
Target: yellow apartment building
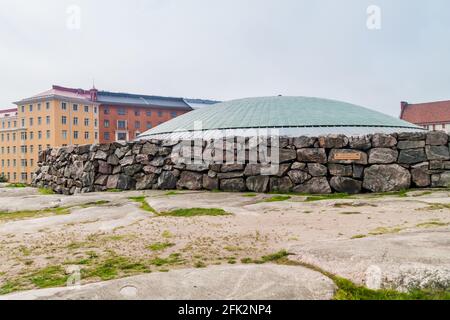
<point>57,117</point>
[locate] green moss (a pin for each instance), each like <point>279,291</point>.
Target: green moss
<point>384,230</point>
<point>160,246</point>
<point>250,195</point>
<point>174,258</point>
<point>50,277</point>
<point>359,236</point>
<point>114,190</point>
<point>112,267</point>
<point>432,224</point>
<point>173,193</point>
<point>10,286</point>
<point>144,204</point>
<point>46,191</point>
<point>16,185</point>
<point>200,264</point>
<point>247,260</point>
<point>436,206</point>
<point>278,198</point>
<point>194,212</point>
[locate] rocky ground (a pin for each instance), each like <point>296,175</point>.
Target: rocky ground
<point>135,245</point>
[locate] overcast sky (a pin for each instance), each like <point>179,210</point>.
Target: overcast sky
<point>229,49</point>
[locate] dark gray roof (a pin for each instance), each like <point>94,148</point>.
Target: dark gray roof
<point>113,98</point>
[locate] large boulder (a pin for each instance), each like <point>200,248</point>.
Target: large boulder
<point>258,184</point>
<point>382,156</point>
<point>317,185</point>
<point>333,141</point>
<point>133,169</point>
<point>112,182</point>
<point>126,182</point>
<point>233,185</point>
<point>437,138</point>
<point>340,170</point>
<point>286,155</point>
<point>298,176</point>
<point>440,180</point>
<point>410,144</point>
<point>281,184</point>
<point>232,168</point>
<point>437,152</point>
<point>210,183</point>
<point>167,181</point>
<point>317,169</point>
<point>346,185</point>
<point>412,156</point>
<point>360,142</point>
<point>381,140</point>
<point>414,136</point>
<point>420,175</point>
<point>304,142</point>
<point>190,180</point>
<point>144,181</point>
<point>385,178</point>
<point>317,155</point>
<point>104,167</point>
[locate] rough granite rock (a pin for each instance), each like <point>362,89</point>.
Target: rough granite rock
<point>381,140</point>
<point>210,183</point>
<point>190,180</point>
<point>304,142</point>
<point>360,142</point>
<point>317,155</point>
<point>317,170</point>
<point>385,178</point>
<point>258,184</point>
<point>402,145</point>
<point>145,182</point>
<point>281,184</point>
<point>420,176</point>
<point>333,141</point>
<point>346,185</point>
<point>437,152</point>
<point>382,156</point>
<point>437,138</point>
<point>412,156</point>
<point>167,181</point>
<point>298,176</point>
<point>340,170</point>
<point>441,180</point>
<point>233,185</point>
<point>317,185</point>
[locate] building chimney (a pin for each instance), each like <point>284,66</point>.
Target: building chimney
<point>403,106</point>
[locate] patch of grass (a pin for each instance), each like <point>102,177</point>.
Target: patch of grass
<point>174,258</point>
<point>46,191</point>
<point>144,204</point>
<point>50,277</point>
<point>232,248</point>
<point>167,234</point>
<point>401,194</point>
<point>359,236</point>
<point>160,246</point>
<point>10,286</point>
<point>173,193</point>
<point>275,257</point>
<point>112,267</point>
<point>200,264</point>
<point>278,198</point>
<point>384,230</point>
<point>195,212</point>
<point>16,185</point>
<point>247,260</point>
<point>436,206</point>
<point>25,251</point>
<point>114,190</point>
<point>432,224</point>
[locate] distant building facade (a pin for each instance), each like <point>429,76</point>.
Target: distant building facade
<point>67,116</point>
<point>434,116</point>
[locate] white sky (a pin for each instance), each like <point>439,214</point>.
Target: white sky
<point>230,49</point>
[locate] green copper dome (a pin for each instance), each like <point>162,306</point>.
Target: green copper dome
<point>294,115</point>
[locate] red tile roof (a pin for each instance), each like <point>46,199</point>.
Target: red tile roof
<point>8,110</point>
<point>426,113</point>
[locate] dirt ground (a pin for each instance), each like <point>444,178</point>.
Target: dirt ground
<point>108,235</point>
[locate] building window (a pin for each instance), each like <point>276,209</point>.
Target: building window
<point>106,136</point>
<point>121,124</point>
<point>14,136</point>
<point>96,135</point>
<point>23,136</point>
<point>86,108</point>
<point>121,111</point>
<point>31,135</point>
<point>39,121</point>
<point>86,122</point>
<point>106,111</point>
<point>39,107</point>
<point>160,114</point>
<point>31,149</point>
<point>23,149</point>
<point>86,135</point>
<point>121,136</point>
<point>75,107</point>
<point>95,123</point>
<point>23,109</point>
<point>31,163</point>
<point>39,135</point>
<point>47,119</point>
<point>48,134</point>
<point>137,113</point>
<point>47,105</point>
<point>149,113</point>
<point>137,124</point>
<point>64,134</point>
<point>173,114</point>
<point>24,176</point>
<point>149,125</point>
<point>31,122</point>
<point>64,120</point>
<point>40,147</point>
<point>64,106</point>
<point>106,123</point>
<point>95,110</point>
<point>31,108</point>
<point>75,121</point>
<point>23,163</point>
<point>75,134</point>
<point>22,122</point>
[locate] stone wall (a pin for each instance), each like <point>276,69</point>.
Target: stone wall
<point>374,163</point>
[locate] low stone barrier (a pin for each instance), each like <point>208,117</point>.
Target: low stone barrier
<point>316,165</point>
